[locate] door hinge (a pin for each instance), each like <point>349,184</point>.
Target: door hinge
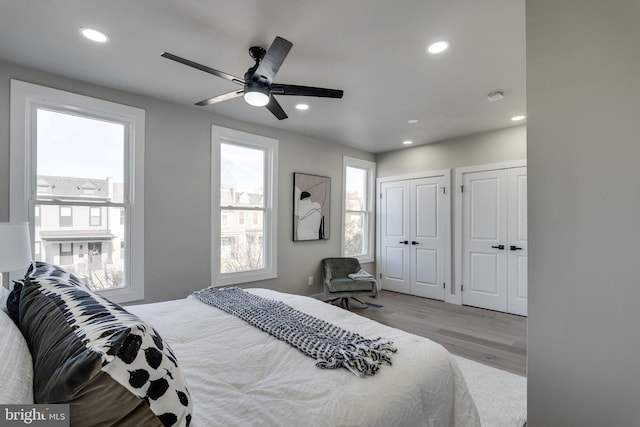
<point>381,275</point>
<point>444,190</point>
<point>380,195</point>
<point>461,288</point>
<point>444,285</point>
<point>462,188</point>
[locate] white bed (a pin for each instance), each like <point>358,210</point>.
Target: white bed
<point>239,375</point>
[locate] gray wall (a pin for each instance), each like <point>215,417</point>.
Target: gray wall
<point>177,189</point>
<point>583,107</point>
<point>489,147</point>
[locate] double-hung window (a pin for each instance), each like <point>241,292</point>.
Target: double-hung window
<point>77,175</point>
<point>358,208</point>
<point>243,207</point>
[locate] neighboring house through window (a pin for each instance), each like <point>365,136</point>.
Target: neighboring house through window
<point>37,216</point>
<point>66,255</point>
<point>77,177</point>
<point>358,209</point>
<point>244,184</point>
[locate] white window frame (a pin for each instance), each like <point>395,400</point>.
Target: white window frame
<point>269,146</point>
<point>26,98</point>
<point>369,227</point>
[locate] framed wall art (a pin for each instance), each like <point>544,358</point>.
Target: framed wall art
<point>311,207</point>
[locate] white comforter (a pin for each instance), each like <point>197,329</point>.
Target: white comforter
<point>241,376</point>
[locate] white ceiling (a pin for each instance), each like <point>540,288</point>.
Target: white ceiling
<point>374,50</point>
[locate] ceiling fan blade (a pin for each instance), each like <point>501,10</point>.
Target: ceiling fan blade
<point>276,109</point>
<point>273,59</point>
<point>204,68</point>
<point>282,89</point>
<point>222,97</point>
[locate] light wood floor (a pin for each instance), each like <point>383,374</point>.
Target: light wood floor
<point>486,336</point>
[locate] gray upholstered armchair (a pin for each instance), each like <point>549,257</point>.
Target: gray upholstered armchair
<point>338,284</point>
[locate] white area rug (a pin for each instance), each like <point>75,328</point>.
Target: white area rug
<point>501,397</point>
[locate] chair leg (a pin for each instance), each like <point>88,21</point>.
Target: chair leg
<point>344,302</point>
<point>359,301</point>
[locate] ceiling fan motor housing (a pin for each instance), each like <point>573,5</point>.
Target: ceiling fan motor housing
<point>257,52</point>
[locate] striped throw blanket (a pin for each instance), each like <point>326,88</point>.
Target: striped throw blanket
<point>331,346</point>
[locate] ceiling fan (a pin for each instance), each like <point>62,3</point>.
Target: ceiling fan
<point>258,87</point>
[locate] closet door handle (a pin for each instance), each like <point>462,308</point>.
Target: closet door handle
<point>413,242</point>
<point>404,242</point>
<point>515,248</point>
<point>501,247</point>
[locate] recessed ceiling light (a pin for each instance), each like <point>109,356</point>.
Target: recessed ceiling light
<point>438,47</point>
<point>302,106</point>
<point>517,118</point>
<point>413,121</point>
<point>407,142</point>
<point>94,35</point>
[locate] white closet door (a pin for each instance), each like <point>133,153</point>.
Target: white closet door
<point>415,235</point>
<point>484,239</point>
<point>494,238</point>
<point>429,234</point>
<point>395,229</point>
<point>517,232</point>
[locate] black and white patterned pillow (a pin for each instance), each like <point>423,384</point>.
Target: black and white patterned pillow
<point>54,274</point>
<point>111,366</point>
<point>35,270</point>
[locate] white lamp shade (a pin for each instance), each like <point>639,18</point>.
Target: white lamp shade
<point>15,246</point>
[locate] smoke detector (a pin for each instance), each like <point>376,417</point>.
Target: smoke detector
<point>495,96</point>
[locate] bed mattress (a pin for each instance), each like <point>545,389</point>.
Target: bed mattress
<point>239,375</point>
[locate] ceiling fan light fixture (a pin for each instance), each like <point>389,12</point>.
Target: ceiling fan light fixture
<point>257,84</point>
<point>256,96</point>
